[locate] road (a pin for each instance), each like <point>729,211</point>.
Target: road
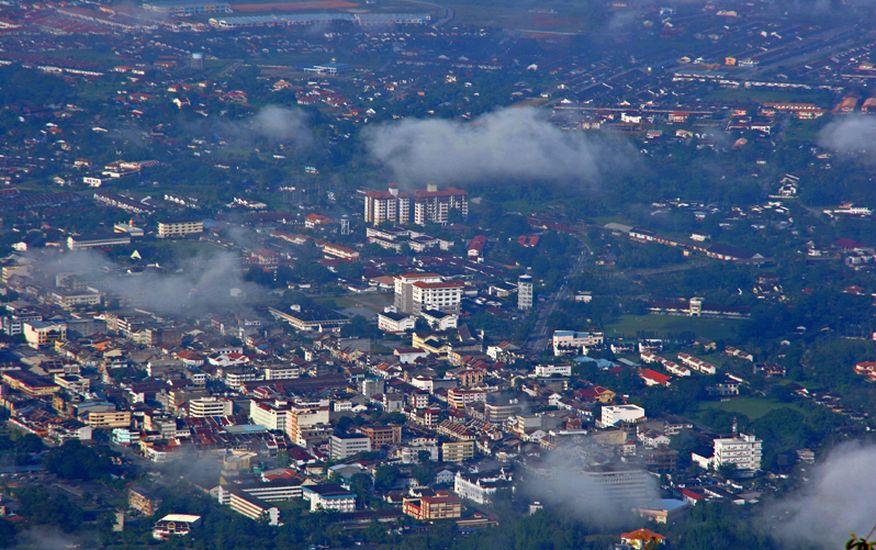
<point>539,340</point>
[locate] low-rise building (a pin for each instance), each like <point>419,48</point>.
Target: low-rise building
<point>329,496</point>
<point>429,508</point>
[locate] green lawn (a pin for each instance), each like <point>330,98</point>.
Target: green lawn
<point>751,407</point>
<point>662,325</point>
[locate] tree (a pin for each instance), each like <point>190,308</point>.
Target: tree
<point>385,477</point>
<point>73,460</point>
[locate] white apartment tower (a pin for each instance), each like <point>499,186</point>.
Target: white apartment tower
<point>430,205</point>
<point>524,292</point>
<point>743,451</point>
<point>404,289</point>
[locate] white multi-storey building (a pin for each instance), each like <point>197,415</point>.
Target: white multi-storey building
<point>743,451</point>
<point>210,406</point>
<point>404,289</point>
<point>441,296</point>
<point>570,342</point>
<point>524,292</point>
<point>614,414</point>
<point>174,230</point>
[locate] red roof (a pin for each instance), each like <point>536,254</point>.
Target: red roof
<point>643,534</point>
<point>651,374</point>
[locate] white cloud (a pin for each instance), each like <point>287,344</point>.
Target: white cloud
<point>507,144</point>
<point>850,135</point>
<point>836,500</point>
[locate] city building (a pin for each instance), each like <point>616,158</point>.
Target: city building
<point>390,206</point>
<point>40,334</point>
<point>434,205</point>
<point>210,406</point>
<point>79,242</point>
<point>612,415</point>
<point>174,525</point>
<point>742,451</point>
<point>175,230</point>
<point>306,419</point>
<point>429,508</point>
<point>524,292</point>
<point>395,323</point>
<point>439,296</point>
<point>457,451</point>
<point>425,206</point>
<point>403,286</point>
<point>329,496</point>
<point>570,342</point>
<point>480,487</point>
<point>342,446</point>
<point>381,436</point>
<point>253,507</point>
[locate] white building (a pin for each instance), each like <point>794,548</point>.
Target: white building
<point>614,414</point>
<point>570,342</point>
<point>210,406</point>
<point>175,230</point>
<point>395,323</point>
<point>329,497</point>
<point>270,414</point>
<point>403,285</point>
<point>440,296</point>
<point>524,292</point>
<point>553,370</point>
<point>346,445</point>
<point>480,488</point>
<point>743,451</point>
<point>39,334</point>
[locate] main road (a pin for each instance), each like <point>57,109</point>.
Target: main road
<point>539,340</point>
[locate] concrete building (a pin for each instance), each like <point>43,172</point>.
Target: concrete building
<point>444,296</point>
<point>434,205</point>
<point>390,206</point>
<point>174,525</point>
<point>480,487</point>
<point>210,406</point>
<point>40,334</point>
<point>524,292</point>
<point>430,205</point>
<point>457,451</point>
<point>306,419</point>
<point>175,230</point>
<point>570,342</point>
<point>253,507</point>
<point>429,508</point>
<point>270,414</point>
<point>742,451</point>
<point>342,446</point>
<point>78,242</point>
<point>329,496</point>
<point>612,415</point>
<point>395,323</point>
<point>403,286</point>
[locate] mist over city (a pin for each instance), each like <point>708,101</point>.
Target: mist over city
<point>438,274</point>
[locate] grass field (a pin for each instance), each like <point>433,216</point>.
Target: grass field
<point>752,407</point>
<point>663,325</point>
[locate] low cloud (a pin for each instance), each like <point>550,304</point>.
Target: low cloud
<point>850,135</point>
<point>836,500</point>
<point>573,477</point>
<point>507,144</point>
<point>202,284</point>
<point>271,125</point>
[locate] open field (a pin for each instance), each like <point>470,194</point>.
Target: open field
<point>752,407</point>
<point>663,325</point>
